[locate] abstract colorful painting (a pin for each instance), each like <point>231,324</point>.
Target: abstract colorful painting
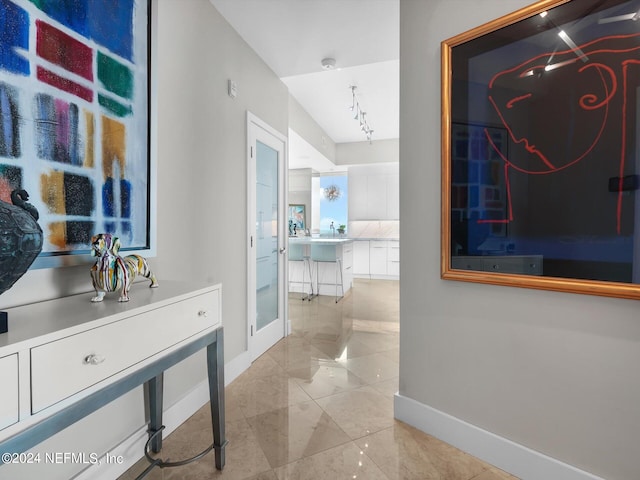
<point>74,117</point>
<point>297,218</point>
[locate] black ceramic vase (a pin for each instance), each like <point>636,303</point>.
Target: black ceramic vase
<point>20,238</point>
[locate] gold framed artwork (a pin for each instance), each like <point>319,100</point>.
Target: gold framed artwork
<point>540,151</point>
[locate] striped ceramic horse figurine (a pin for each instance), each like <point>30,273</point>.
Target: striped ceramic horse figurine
<point>111,272</point>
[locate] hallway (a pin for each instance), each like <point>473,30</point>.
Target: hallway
<point>319,405</point>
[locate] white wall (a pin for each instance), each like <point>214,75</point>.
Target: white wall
<point>300,192</point>
<point>202,151</point>
<point>201,207</point>
<point>359,153</point>
<point>555,372</point>
<point>305,126</point>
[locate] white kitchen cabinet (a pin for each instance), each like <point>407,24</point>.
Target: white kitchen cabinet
<point>378,257</point>
<point>357,196</point>
<point>377,197</point>
<point>374,192</point>
<point>393,258</point>
<point>361,258</point>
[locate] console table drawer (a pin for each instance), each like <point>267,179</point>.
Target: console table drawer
<point>65,367</point>
<point>9,396</point>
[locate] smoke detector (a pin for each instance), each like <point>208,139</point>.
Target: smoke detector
<point>328,63</point>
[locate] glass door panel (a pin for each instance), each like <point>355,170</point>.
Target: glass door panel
<point>267,228</point>
<point>266,286</point>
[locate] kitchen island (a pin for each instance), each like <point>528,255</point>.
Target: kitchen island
<point>331,260</point>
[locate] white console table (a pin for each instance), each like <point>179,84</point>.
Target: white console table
<point>63,359</point>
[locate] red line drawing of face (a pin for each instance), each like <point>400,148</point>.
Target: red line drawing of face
<point>556,106</point>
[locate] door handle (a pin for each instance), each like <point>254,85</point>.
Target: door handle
<point>282,250</point>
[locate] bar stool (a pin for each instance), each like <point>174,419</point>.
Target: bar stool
<point>327,254</point>
<point>297,254</point>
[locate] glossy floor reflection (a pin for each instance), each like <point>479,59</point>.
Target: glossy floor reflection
<point>319,405</point>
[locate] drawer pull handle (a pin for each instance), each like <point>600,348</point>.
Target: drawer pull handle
<point>93,359</point>
<point>202,313</point>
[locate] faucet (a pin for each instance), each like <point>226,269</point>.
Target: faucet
<point>333,230</point>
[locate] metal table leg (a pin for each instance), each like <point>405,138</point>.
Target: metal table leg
<point>155,387</point>
<point>215,367</point>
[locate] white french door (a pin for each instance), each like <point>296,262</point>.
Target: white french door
<point>267,237</point>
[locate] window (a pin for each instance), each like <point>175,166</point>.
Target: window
<point>334,203</point>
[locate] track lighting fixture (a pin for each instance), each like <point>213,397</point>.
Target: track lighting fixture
<point>359,114</point>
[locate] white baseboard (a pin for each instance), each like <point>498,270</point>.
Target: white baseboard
<point>235,367</point>
<point>509,456</point>
<point>364,276</point>
<point>385,277</point>
<point>367,276</point>
<point>126,454</point>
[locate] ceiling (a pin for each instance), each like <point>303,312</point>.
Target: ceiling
<point>363,36</point>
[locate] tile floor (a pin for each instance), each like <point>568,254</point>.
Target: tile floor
<point>319,405</point>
